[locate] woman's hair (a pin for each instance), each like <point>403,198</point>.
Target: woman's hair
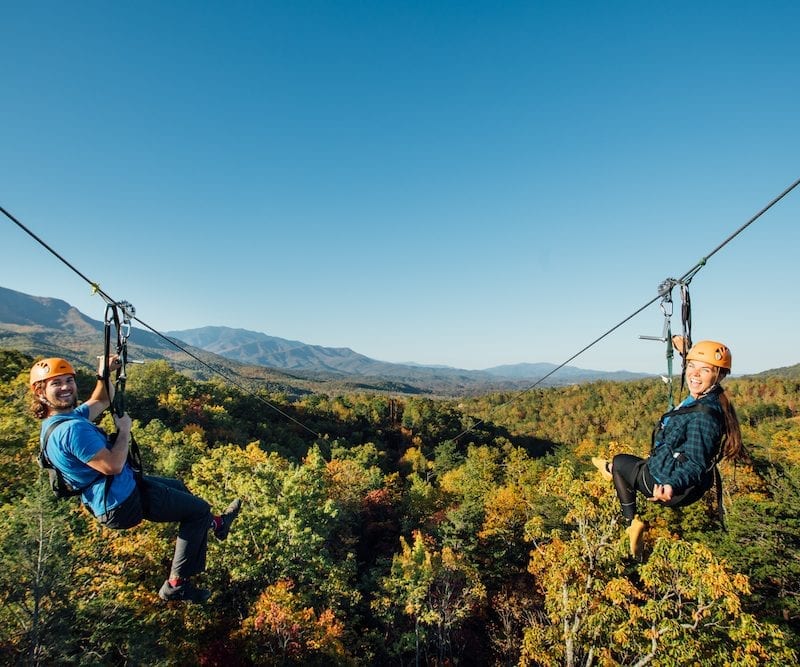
<point>732,448</point>
<point>39,409</point>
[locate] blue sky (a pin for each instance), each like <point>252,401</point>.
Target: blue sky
<point>460,183</point>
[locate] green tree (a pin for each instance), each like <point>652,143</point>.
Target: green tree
<point>432,592</point>
<point>36,570</point>
<point>763,540</point>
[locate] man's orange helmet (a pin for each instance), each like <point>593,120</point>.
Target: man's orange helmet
<point>49,368</point>
<point>711,352</point>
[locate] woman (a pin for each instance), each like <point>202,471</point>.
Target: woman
<point>686,445</point>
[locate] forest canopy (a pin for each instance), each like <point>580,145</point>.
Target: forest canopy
<point>389,529</point>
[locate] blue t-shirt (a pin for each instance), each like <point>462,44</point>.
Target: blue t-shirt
<point>75,442</point>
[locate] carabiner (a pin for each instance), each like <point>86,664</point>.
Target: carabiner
<point>665,292</point>
<point>128,313</point>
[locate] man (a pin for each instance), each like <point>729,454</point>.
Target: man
<point>91,462</point>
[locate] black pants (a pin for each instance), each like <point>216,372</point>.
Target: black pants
<point>631,474</point>
<point>166,500</point>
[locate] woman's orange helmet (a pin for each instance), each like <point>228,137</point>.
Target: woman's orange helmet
<point>49,368</point>
<point>711,352</point>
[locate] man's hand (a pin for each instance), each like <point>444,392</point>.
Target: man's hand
<point>122,423</point>
<point>113,363</point>
<point>103,395</point>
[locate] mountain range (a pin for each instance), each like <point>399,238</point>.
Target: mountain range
<point>252,347</point>
<point>43,326</point>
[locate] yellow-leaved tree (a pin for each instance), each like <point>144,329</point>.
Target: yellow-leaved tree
<point>428,593</point>
<point>683,606</point>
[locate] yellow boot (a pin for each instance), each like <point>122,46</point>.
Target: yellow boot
<point>636,537</point>
<point>603,466</point>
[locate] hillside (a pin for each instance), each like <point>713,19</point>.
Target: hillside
<point>788,372</point>
<point>42,326</point>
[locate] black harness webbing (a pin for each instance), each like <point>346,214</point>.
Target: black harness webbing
<point>67,489</point>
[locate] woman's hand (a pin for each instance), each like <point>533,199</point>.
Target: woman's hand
<point>662,492</point>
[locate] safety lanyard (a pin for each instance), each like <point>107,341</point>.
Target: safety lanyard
<point>123,330</point>
<point>665,292</point>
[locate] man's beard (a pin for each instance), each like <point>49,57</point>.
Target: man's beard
<point>63,405</point>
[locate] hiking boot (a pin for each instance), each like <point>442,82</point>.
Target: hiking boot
<point>230,513</point>
<point>603,466</point>
<point>183,592</point>
<point>636,537</point>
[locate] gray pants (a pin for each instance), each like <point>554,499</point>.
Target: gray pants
<point>166,500</point>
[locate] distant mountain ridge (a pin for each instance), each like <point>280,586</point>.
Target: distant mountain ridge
<point>253,347</point>
<point>264,350</point>
<point>43,326</point>
<point>566,374</point>
<point>48,327</point>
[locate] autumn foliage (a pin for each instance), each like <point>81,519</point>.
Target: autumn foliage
<point>409,531</point>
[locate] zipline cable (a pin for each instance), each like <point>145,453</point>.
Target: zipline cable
<point>227,377</point>
<point>684,279</point>
<point>110,301</point>
<point>95,287</point>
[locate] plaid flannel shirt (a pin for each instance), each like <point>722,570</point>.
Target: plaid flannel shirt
<point>687,446</point>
